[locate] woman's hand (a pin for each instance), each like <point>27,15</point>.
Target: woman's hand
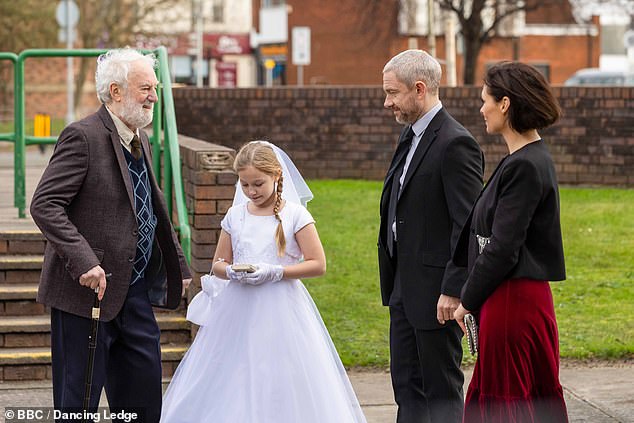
<point>459,316</point>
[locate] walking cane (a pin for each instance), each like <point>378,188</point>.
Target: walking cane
<point>92,349</point>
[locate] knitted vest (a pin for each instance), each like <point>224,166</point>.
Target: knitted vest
<point>146,220</point>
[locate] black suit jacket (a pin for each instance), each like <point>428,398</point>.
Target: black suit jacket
<point>517,220</point>
<point>84,205</point>
<point>441,185</point>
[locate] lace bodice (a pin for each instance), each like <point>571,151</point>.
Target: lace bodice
<point>253,237</point>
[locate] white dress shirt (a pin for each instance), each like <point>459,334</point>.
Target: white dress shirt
<point>419,128</point>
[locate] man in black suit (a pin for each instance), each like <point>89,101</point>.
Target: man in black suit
<point>430,187</point>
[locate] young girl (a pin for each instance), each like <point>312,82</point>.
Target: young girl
<point>262,353</point>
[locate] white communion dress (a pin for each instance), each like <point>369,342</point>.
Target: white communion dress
<point>263,353</point>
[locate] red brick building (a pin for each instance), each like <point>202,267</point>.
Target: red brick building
<point>352,39</point>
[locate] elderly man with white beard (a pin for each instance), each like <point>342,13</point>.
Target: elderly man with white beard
<point>106,222</point>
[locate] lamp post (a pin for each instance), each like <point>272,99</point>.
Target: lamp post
<point>197,11</point>
<point>67,16</point>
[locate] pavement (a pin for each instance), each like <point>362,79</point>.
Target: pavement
<point>595,392</point>
<point>36,161</point>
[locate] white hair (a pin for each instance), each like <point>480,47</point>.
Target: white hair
<point>114,66</point>
<point>410,66</point>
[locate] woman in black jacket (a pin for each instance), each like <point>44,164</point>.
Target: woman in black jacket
<point>512,245</point>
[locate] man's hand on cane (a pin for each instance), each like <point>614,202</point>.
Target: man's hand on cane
<point>95,277</point>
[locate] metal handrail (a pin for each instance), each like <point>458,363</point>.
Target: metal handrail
<point>172,162</point>
<point>172,154</point>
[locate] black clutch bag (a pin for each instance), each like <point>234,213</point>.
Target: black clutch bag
<point>472,333</point>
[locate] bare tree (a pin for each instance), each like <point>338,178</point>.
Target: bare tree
<point>117,23</point>
<point>478,29</point>
<point>27,24</point>
<point>102,24</point>
<point>23,24</point>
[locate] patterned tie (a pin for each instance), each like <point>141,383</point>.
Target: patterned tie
<point>135,147</point>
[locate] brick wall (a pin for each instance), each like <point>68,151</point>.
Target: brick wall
<point>45,89</point>
<point>209,185</point>
<point>344,132</point>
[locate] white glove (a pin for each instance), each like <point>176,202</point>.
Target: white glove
<point>265,273</point>
<point>235,276</point>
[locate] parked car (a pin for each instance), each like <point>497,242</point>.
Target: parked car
<point>596,76</point>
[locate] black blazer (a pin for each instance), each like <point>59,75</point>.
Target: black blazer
<point>441,185</point>
<point>516,220</point>
<point>84,205</point>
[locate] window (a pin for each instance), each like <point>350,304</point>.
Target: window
<point>413,16</point>
<point>181,67</point>
<point>218,11</point>
<point>543,68</point>
<point>269,3</point>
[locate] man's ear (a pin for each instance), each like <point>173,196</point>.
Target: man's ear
<point>115,91</point>
<point>421,88</point>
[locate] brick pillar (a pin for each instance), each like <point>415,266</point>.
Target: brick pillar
<point>209,183</point>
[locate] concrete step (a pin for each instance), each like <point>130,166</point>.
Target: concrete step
<point>21,235</point>
<point>25,324</point>
<point>34,330</point>
<point>34,363</point>
<point>18,291</point>
<point>18,299</point>
<point>21,262</point>
<point>42,355</point>
<point>37,324</point>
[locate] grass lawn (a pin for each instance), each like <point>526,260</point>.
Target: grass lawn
<point>595,305</point>
<point>56,126</point>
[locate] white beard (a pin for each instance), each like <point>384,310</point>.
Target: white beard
<point>134,114</point>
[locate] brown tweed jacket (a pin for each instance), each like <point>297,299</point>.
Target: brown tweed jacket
<point>84,205</point>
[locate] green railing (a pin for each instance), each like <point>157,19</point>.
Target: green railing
<point>164,136</point>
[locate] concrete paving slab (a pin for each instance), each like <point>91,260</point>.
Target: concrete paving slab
<point>608,389</point>
<point>35,164</point>
<point>597,394</point>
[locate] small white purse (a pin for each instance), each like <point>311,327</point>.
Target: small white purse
<point>199,308</point>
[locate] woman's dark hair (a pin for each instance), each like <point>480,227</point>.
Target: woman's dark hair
<point>533,105</point>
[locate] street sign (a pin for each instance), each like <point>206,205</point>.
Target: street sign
<point>62,35</point>
<point>66,17</point>
<point>227,74</point>
<point>301,46</point>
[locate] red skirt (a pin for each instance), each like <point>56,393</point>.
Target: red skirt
<point>516,375</point>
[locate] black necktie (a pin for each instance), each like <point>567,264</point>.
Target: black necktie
<point>135,147</point>
<point>398,164</point>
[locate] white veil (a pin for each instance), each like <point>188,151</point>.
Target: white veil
<point>295,188</point>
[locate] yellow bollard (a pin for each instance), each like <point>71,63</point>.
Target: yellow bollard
<point>42,125</point>
<point>47,125</point>
<point>37,125</point>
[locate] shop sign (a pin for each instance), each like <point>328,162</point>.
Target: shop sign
<point>222,44</point>
<point>227,74</point>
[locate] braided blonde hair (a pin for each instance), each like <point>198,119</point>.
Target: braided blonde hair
<point>262,157</point>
